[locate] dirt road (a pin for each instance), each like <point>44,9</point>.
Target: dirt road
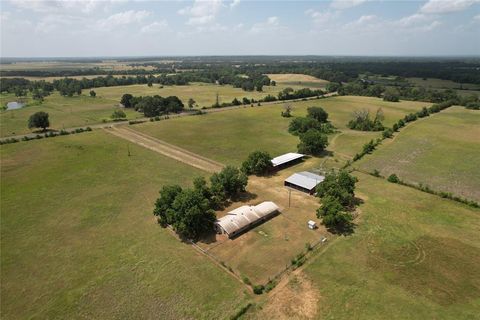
<point>165,149</point>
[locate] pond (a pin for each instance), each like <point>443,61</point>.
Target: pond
<point>14,105</point>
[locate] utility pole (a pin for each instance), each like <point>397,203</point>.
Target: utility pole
<point>128,149</point>
<point>289,196</point>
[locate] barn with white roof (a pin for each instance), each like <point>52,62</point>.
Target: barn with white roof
<point>245,217</point>
<point>304,181</point>
<point>287,159</point>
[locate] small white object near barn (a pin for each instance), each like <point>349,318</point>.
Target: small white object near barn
<point>312,224</point>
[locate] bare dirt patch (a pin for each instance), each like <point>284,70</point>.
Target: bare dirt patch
<point>297,299</point>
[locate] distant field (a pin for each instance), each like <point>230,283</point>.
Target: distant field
<point>412,256</point>
<point>64,65</point>
<point>78,239</point>
<point>203,93</point>
<point>297,80</point>
<point>230,136</point>
<point>442,151</point>
<point>50,79</point>
<point>84,110</point>
<point>433,83</point>
<point>63,111</point>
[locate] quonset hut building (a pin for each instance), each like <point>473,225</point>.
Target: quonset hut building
<point>245,217</point>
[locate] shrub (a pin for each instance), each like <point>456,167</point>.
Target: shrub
<point>258,289</point>
<point>376,173</point>
<point>393,178</point>
<point>246,281</point>
<point>387,133</point>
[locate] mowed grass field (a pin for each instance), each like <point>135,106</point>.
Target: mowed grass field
<point>297,80</point>
<point>412,256</point>
<point>441,151</point>
<point>230,136</point>
<point>78,238</point>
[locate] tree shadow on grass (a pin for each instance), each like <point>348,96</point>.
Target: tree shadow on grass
<point>346,229</point>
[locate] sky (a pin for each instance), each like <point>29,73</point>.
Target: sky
<point>89,28</point>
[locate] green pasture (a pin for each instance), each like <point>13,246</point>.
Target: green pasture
<point>78,238</point>
<point>229,136</point>
<point>412,256</point>
<point>441,151</point>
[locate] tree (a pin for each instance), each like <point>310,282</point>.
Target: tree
<point>333,216</point>
<point>229,182</point>
<point>126,100</point>
<point>312,142</point>
<point>391,95</point>
<point>191,214</point>
<point>39,120</point>
<point>318,114</point>
<point>191,103</point>
<point>288,111</point>
<point>93,94</point>
<point>164,203</point>
<point>118,114</point>
<point>258,163</point>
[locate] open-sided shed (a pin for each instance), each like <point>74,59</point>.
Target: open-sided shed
<point>304,181</point>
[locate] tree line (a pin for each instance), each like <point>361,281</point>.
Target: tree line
<point>152,106</point>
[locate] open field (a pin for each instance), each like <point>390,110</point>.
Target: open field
<point>442,151</point>
<point>412,256</point>
<point>50,79</point>
<point>432,83</point>
<point>83,110</point>
<point>230,136</point>
<point>297,80</point>
<point>203,93</point>
<point>266,250</point>
<point>78,239</point>
<point>64,112</point>
<point>68,65</point>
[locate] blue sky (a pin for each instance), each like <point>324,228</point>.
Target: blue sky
<point>239,27</point>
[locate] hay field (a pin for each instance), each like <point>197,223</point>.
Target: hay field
<point>78,238</point>
<point>442,151</point>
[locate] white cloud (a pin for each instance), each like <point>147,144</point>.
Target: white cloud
<point>234,3</point>
<point>345,4</point>
<point>202,11</point>
<point>272,23</point>
<point>123,18</point>
<point>320,18</point>
<point>157,26</point>
<point>69,6</point>
<point>446,6</point>
<point>412,20</point>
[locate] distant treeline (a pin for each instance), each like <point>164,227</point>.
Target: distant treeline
<point>361,88</point>
<point>70,86</point>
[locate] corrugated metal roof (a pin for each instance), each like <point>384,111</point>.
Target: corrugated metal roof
<point>287,157</point>
<point>243,216</point>
<point>305,179</point>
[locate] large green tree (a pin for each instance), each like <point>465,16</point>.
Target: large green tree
<point>312,142</point>
<point>229,182</point>
<point>39,120</point>
<point>164,203</point>
<point>318,114</point>
<point>258,163</point>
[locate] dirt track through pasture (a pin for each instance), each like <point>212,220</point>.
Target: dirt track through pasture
<point>166,149</point>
